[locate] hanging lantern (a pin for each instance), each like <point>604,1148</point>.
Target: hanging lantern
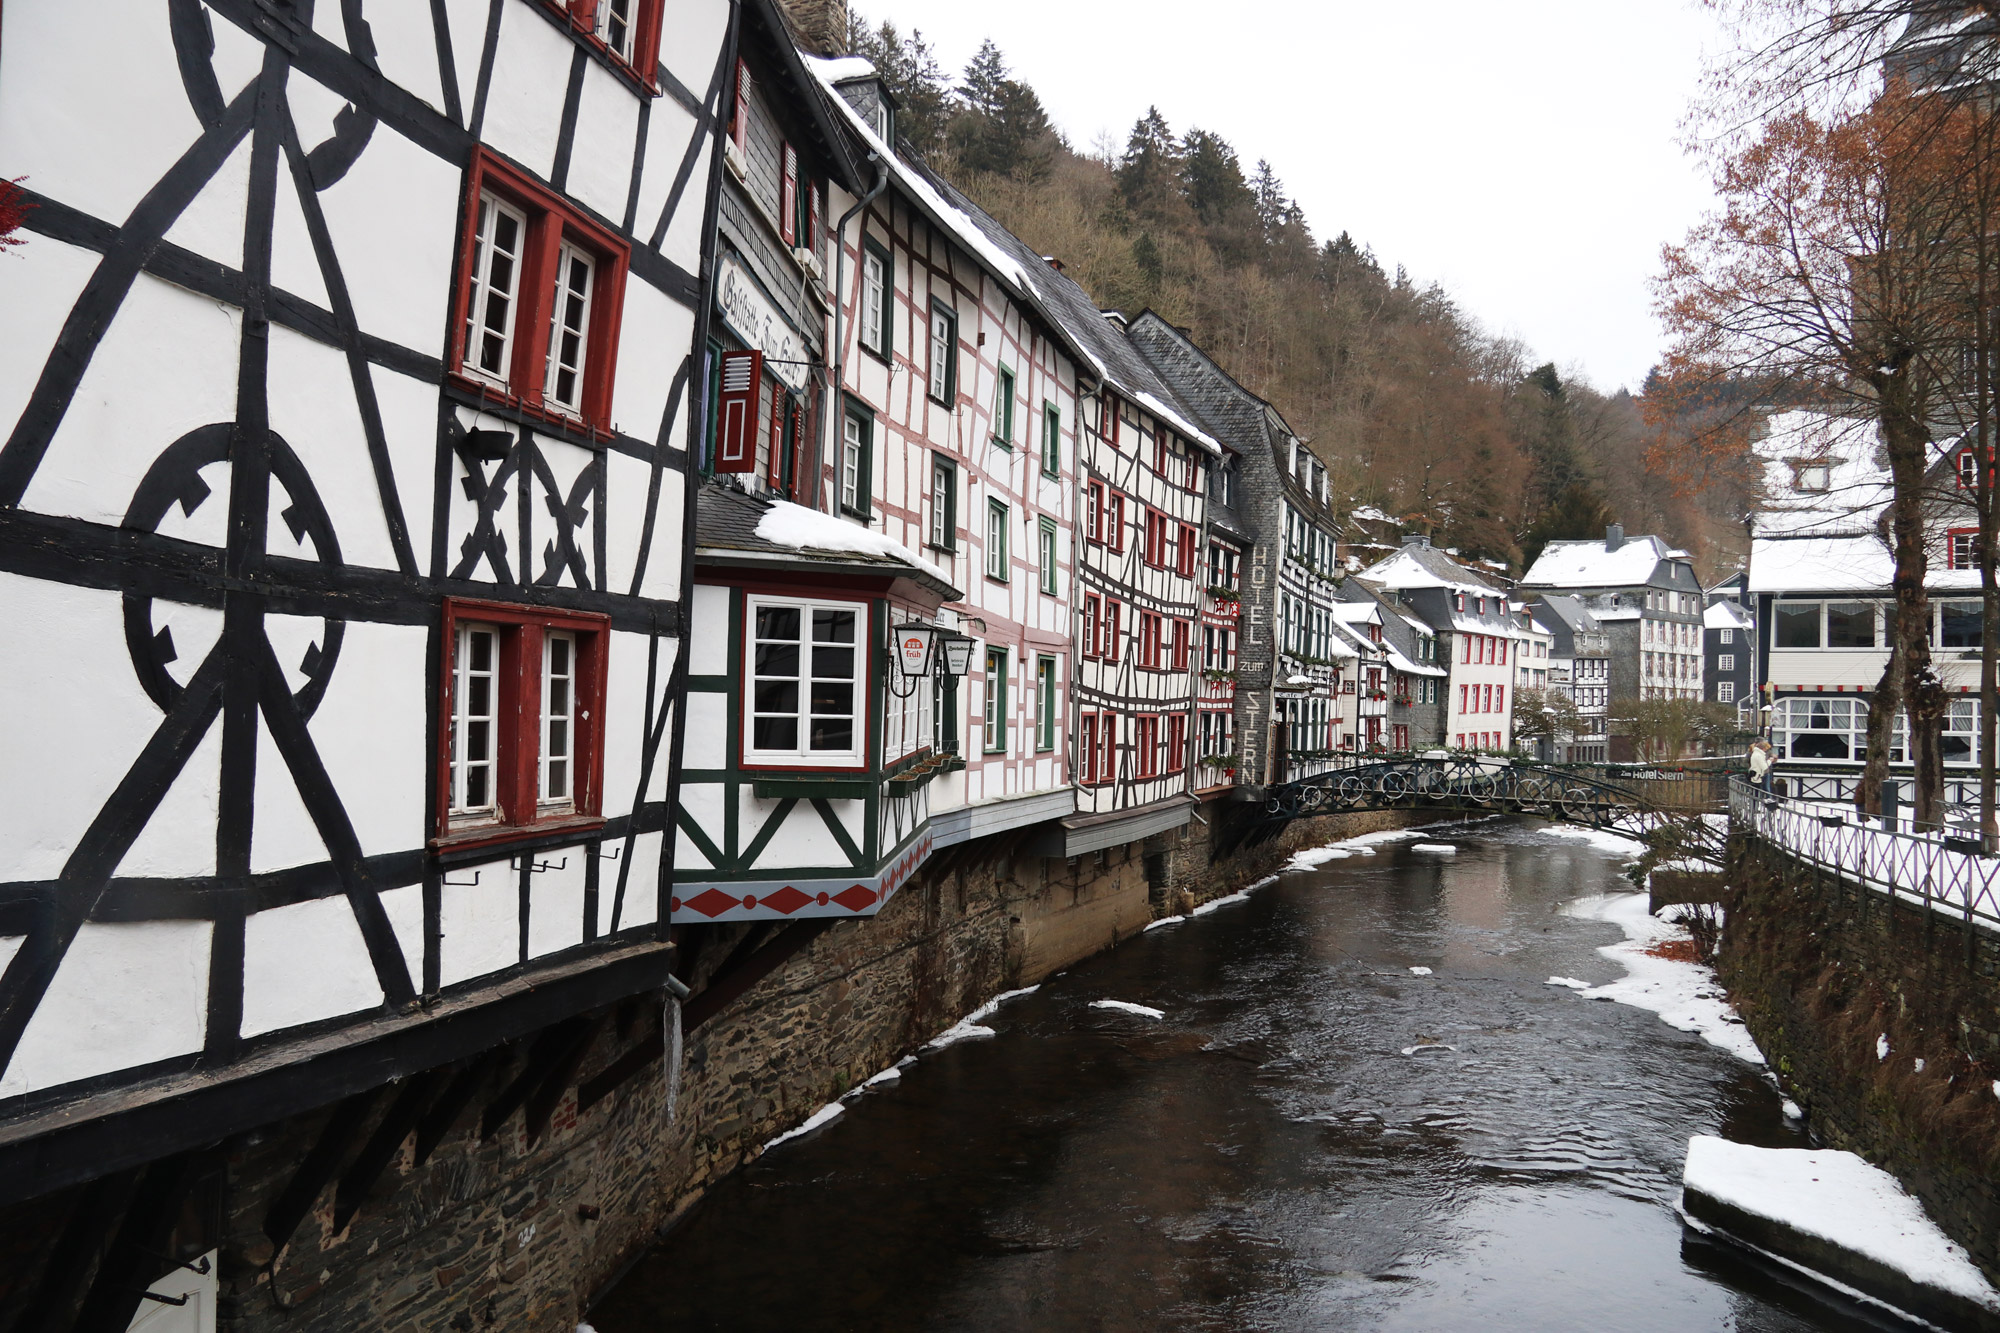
<point>914,642</point>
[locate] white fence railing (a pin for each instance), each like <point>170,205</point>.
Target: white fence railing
<point>1943,876</point>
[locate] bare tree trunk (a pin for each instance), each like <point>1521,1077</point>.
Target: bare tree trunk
<point>1907,440</point>
<point>1882,707</point>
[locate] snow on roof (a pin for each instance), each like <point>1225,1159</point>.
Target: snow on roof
<point>845,69</point>
<point>1857,485</point>
<point>946,215</point>
<point>1589,564</point>
<point>788,524</point>
<point>1819,564</point>
<point>1725,615</point>
<point>1427,567</point>
<point>1371,514</point>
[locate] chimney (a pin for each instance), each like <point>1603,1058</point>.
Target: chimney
<point>1614,536</point>
<point>1415,539</point>
<point>820,25</point>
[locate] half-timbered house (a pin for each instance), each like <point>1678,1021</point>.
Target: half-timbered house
<point>1292,654</point>
<point>1476,632</point>
<point>342,518</point>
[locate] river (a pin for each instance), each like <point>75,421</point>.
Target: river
<point>1313,1137</point>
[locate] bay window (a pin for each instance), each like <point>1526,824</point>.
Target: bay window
<point>806,698</point>
<point>523,704</point>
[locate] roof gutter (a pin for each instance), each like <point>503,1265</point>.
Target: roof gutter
<point>840,300</point>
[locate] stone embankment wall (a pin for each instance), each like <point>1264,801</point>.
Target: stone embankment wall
<point>1824,971</point>
<point>548,1165</point>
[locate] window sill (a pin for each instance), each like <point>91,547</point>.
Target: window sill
<point>941,550</point>
<point>484,397</point>
<point>998,578</point>
<point>999,443</point>
<point>468,844</point>
<point>875,352</point>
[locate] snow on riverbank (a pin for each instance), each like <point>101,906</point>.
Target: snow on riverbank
<point>1127,1007</point>
<point>1838,1198</point>
<point>1684,995</point>
<point>973,1024</point>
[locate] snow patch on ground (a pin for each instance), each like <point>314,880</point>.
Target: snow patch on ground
<point>1420,971</point>
<point>1436,848</point>
<point>1214,903</point>
<point>1837,1197</point>
<point>1127,1007</point>
<point>1605,841</point>
<point>1684,995</point>
<point>1263,883</point>
<point>831,1111</point>
<point>1317,856</point>
<point>1792,1110</point>
<point>1165,921</point>
<point>893,1074</point>
<point>1570,982</point>
<point>1428,1046</point>
<point>1882,1047</point>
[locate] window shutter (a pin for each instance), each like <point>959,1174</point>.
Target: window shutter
<point>1111,420</point>
<point>788,198</point>
<point>740,131</point>
<point>812,216</point>
<point>798,444</point>
<point>736,412</point>
<point>778,433</point>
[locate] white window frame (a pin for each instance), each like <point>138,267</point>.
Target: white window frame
<point>558,727</point>
<point>997,521</point>
<point>944,496</point>
<point>463,720</point>
<point>804,756</point>
<point>484,291</point>
<point>1049,551</point>
<point>1725,691</point>
<point>942,344</point>
<point>875,290</point>
<point>853,452</point>
<point>624,13</point>
<point>569,317</point>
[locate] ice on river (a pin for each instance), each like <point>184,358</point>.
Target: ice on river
<point>972,1026</point>
<point>1684,995</point>
<point>1839,1198</point>
<point>831,1111</point>
<point>1420,971</point>
<point>1214,903</point>
<point>1617,844</point>
<point>1436,848</point>
<point>1127,1007</point>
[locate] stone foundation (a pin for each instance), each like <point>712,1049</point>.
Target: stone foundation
<point>565,1162</point>
<point>1821,970</point>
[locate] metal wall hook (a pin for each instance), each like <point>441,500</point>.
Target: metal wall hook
<point>164,1300</point>
<point>611,855</point>
<point>463,883</point>
<point>536,867</point>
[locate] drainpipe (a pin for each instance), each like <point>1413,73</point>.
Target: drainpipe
<point>839,304</point>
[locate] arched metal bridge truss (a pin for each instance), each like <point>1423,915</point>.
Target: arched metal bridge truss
<point>1494,786</point>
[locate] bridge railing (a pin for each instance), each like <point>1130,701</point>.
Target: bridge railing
<point>1942,875</point>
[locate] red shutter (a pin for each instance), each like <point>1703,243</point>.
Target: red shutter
<point>812,216</point>
<point>736,412</point>
<point>788,198</point>
<point>1111,420</point>
<point>740,131</point>
<point>778,405</point>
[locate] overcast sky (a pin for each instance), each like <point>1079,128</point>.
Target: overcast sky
<point>1524,155</point>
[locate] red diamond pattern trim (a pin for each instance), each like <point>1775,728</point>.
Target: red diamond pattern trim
<point>787,900</point>
<point>712,902</point>
<point>855,898</point>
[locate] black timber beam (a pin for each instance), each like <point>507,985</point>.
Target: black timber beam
<point>114,1131</point>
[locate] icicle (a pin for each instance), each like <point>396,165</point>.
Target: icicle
<point>670,1024</point>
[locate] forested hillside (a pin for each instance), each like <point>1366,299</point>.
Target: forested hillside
<point>1414,408</point>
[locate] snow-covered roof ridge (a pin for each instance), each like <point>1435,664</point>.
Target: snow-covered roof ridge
<point>1725,615</point>
<point>1007,267</point>
<point>1595,564</point>
<point>1418,566</point>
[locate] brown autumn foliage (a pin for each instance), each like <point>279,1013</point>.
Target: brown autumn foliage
<point>1844,268</point>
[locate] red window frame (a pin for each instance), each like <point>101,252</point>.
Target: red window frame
<point>1176,742</point>
<point>1093,513</point>
<point>788,197</point>
<point>1952,538</point>
<point>1151,627</point>
<point>1146,745</point>
<point>1114,523</point>
<point>1110,430</point>
<point>1087,749</point>
<point>1093,621</point>
<point>1968,469</point>
<point>1186,551</point>
<point>1112,649</point>
<point>739,120</point>
<point>518,714</point>
<point>551,220</point>
<point>645,62</point>
<point>1183,635</point>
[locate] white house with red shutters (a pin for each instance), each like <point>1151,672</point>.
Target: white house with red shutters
<point>344,438</point>
<point>1477,636</point>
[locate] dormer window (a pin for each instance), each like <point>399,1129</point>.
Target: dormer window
<point>882,120</point>
<point>1811,478</point>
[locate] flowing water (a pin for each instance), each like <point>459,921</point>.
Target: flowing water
<point>1313,1137</point>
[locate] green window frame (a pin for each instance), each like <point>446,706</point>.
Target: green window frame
<point>941,525</point>
<point>857,459</point>
<point>878,329</point>
<point>1051,440</point>
<point>997,565</point>
<point>1045,704</point>
<point>1047,555</point>
<point>995,740</point>
<point>941,374</point>
<point>1003,408</point>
